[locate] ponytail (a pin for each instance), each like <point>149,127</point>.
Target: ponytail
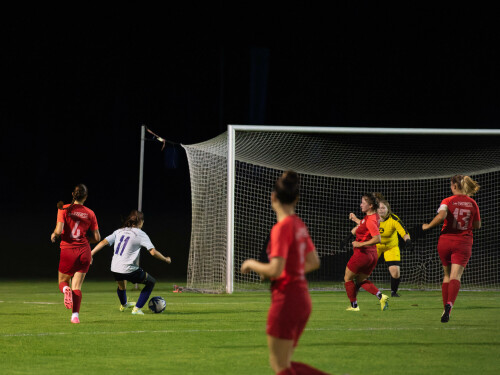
<point>133,219</point>
<point>287,187</point>
<point>465,184</point>
<point>79,193</point>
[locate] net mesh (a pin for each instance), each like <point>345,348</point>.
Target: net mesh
<point>411,171</point>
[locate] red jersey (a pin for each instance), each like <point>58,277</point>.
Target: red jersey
<point>367,229</point>
<point>462,212</point>
<point>290,240</point>
<point>76,222</point>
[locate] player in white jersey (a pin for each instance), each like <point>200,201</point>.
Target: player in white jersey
<point>127,242</point>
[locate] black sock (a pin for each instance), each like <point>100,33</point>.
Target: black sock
<point>395,284</point>
<point>379,295</point>
<point>354,304</point>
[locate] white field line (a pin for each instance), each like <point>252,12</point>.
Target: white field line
<point>367,329</point>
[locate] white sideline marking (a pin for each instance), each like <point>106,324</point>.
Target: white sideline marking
<point>224,330</point>
<point>43,303</point>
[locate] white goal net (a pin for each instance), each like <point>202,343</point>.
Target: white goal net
<point>233,174</point>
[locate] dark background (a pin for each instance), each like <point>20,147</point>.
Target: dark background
<point>77,87</point>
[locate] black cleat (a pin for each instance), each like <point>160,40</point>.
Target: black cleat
<point>446,313</point>
<point>395,294</point>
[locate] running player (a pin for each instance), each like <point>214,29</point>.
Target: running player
<point>76,225</point>
<point>363,261</point>
<point>390,226</point>
<point>291,255</point>
<point>128,241</point>
<point>460,215</point>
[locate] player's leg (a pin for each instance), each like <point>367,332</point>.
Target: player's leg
<point>121,291</point>
<point>350,288</point>
<point>395,279</point>
<point>280,355</point>
<point>76,284</point>
<point>149,282</point>
<point>393,260</point>
<point>64,282</point>
<point>455,276</point>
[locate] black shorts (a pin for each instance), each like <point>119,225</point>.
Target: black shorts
<point>137,277</point>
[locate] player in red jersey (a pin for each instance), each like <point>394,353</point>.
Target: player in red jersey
<point>460,215</point>
<point>363,261</point>
<point>76,225</point>
<point>292,255</point>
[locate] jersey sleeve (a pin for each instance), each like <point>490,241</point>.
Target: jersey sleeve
<point>60,216</point>
<point>444,205</point>
<point>309,244</point>
<point>398,224</point>
<point>146,242</point>
<point>111,238</point>
<point>478,215</point>
<point>281,239</point>
<point>93,222</point>
<point>372,226</point>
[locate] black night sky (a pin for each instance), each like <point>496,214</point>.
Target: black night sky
<point>76,89</point>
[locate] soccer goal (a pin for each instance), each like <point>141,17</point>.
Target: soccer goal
<point>233,174</point>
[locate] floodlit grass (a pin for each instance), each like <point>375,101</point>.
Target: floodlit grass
<point>225,334</point>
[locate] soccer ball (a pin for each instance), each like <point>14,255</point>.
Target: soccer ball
<point>157,304</point>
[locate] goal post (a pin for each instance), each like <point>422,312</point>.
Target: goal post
<point>409,166</point>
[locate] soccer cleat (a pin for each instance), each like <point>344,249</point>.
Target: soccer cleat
<point>446,313</point>
<point>395,294</point>
<point>75,320</point>
<point>350,308</point>
<point>68,298</point>
<point>128,305</point>
<point>137,311</point>
<point>384,302</point>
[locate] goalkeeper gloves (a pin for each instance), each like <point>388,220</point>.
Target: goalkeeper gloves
<point>346,243</point>
<point>408,245</point>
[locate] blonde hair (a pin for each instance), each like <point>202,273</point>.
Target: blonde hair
<point>465,184</point>
<point>381,199</point>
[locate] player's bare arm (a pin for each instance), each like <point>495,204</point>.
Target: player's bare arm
<point>160,256</point>
<point>373,241</point>
<point>438,219</point>
<point>266,270</point>
<point>312,262</point>
<point>57,232</point>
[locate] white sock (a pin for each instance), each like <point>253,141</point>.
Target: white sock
<point>74,315</point>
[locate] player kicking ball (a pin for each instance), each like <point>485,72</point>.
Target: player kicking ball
<point>127,242</point>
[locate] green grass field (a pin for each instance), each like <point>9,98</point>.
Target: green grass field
<point>225,334</point>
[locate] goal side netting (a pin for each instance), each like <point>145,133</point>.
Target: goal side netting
<point>411,170</point>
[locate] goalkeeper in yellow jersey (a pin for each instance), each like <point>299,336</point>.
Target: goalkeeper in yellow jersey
<point>390,226</point>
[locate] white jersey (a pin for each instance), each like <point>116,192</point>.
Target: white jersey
<point>128,243</point>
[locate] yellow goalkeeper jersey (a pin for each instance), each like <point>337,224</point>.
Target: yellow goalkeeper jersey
<point>389,230</point>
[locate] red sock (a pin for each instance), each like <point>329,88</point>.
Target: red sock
<point>350,288</point>
<point>303,369</point>
<point>453,289</point>
<point>444,292</point>
<point>77,300</point>
<point>287,371</point>
<point>62,285</point>
<point>369,287</point>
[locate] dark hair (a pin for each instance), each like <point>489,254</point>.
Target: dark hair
<point>381,199</point>
<point>372,200</point>
<point>465,184</point>
<point>79,193</point>
<point>133,219</point>
<point>287,187</point>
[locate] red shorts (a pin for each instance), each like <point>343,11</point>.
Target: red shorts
<point>289,313</point>
<point>363,261</point>
<point>75,259</point>
<point>454,250</point>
